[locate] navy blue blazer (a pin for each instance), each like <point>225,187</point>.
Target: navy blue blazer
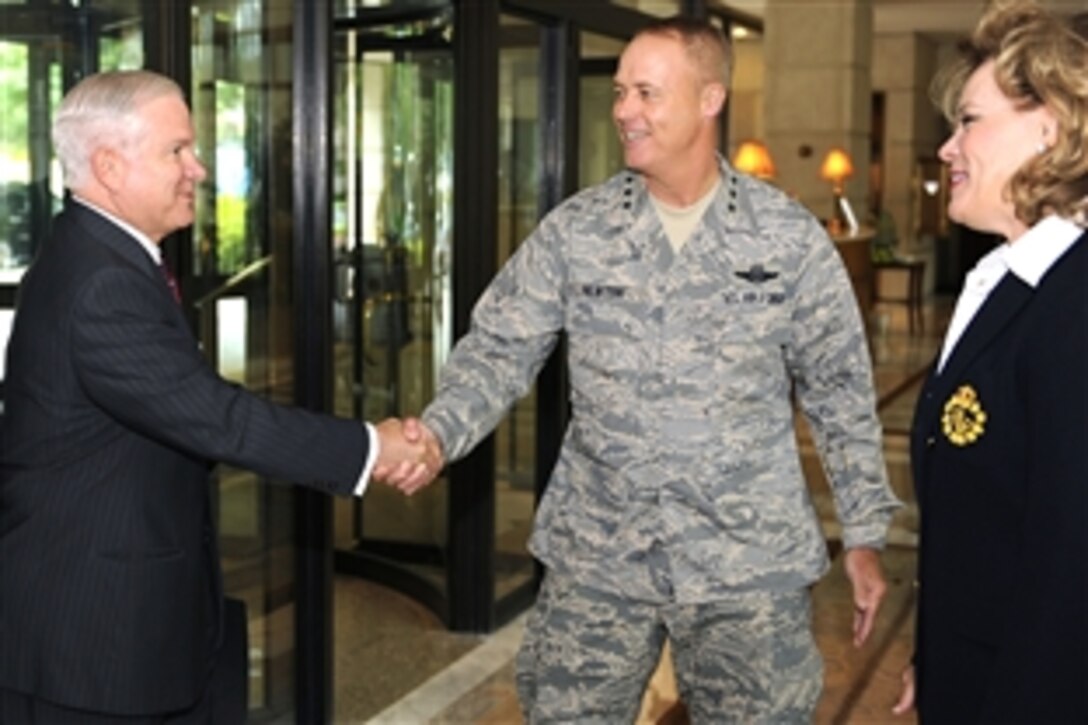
<point>110,587</point>
<point>1000,459</point>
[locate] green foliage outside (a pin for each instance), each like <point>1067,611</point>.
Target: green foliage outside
<point>13,90</point>
<point>230,209</point>
<point>230,216</point>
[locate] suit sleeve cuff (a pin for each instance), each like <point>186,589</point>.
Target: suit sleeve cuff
<point>373,448</point>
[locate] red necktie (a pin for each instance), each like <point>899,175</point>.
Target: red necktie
<point>171,281</point>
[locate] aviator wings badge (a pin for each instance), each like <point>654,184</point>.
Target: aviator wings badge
<point>757,274</point>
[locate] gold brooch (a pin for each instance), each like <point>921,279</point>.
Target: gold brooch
<point>964,420</point>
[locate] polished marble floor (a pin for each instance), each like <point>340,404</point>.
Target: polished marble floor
<point>394,662</point>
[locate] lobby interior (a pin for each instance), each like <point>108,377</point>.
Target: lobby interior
<point>370,166</point>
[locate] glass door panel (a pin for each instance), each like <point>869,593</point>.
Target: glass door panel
<point>30,191</point>
<point>238,276</point>
<point>520,174</point>
<point>44,49</point>
<point>392,309</point>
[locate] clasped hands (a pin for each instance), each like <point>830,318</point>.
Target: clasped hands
<point>410,456</point>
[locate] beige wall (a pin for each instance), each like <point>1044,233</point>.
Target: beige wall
<point>746,93</point>
<point>808,86</point>
<point>817,94</point>
<point>903,66</point>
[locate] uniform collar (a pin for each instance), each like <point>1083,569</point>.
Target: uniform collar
<point>730,203</point>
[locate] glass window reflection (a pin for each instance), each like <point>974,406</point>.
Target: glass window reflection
<point>43,47</point>
<point>240,275</point>
<point>392,237</point>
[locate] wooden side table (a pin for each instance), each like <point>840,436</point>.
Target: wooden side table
<point>856,254</point>
<point>915,269</point>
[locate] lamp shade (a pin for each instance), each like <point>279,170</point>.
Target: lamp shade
<point>753,158</point>
<point>836,166</point>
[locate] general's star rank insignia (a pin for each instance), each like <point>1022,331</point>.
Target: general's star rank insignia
<point>964,420</point>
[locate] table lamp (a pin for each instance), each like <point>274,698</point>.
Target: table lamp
<point>753,158</point>
<point>836,167</point>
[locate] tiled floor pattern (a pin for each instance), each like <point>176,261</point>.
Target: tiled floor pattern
<point>395,663</point>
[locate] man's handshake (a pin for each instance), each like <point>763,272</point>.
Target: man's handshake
<point>410,456</point>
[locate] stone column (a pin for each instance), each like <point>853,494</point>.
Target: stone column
<point>818,95</point>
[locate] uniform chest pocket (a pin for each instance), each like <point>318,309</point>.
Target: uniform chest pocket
<point>750,345</point>
<point>605,311</point>
<point>754,332</point>
<point>753,317</point>
<point>755,351</point>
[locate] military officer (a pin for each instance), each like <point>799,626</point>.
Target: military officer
<point>695,300</point>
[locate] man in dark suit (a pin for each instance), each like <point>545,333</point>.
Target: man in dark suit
<point>111,602</point>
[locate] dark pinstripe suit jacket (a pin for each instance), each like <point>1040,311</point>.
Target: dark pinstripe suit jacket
<point>110,593</point>
<point>1003,600</point>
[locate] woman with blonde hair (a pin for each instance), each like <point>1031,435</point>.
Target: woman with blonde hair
<point>1000,440</point>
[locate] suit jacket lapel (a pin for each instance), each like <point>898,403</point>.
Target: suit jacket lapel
<point>1003,304</point>
<point>112,236</point>
<point>118,240</point>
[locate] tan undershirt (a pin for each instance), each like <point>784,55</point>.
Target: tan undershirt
<point>680,222</point>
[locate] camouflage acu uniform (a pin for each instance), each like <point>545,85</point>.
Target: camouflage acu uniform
<point>679,479</point>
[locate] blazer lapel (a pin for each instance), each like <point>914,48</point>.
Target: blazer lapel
<point>1004,303</point>
<point>118,240</point>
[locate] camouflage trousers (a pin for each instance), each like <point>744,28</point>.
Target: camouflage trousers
<point>588,655</point>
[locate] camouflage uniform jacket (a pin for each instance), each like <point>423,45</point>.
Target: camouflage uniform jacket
<point>679,476</point>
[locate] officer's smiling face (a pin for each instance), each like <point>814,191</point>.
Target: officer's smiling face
<point>657,106</point>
